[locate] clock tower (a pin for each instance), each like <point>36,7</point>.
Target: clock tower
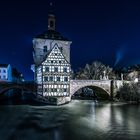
<point>52,63</point>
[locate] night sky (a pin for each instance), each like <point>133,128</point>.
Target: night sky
<point>105,30</point>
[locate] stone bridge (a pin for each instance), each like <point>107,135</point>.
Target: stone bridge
<point>108,86</point>
<point>25,86</point>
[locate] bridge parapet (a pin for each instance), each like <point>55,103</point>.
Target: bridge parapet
<point>5,86</point>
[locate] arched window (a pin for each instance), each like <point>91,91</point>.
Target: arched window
<point>51,24</point>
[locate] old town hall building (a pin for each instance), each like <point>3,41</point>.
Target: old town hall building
<point>52,63</point>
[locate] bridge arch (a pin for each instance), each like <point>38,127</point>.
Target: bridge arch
<point>102,85</point>
<point>93,87</point>
<point>96,89</point>
<point>14,87</point>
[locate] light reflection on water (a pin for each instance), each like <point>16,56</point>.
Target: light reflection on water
<point>79,120</point>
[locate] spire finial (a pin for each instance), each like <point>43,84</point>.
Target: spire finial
<point>51,18</point>
<point>51,8</point>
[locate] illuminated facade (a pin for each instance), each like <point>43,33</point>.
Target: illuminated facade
<point>52,62</point>
<point>5,72</point>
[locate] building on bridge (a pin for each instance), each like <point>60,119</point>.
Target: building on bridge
<point>5,73</point>
<point>52,62</point>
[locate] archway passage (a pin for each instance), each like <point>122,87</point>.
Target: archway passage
<point>91,92</point>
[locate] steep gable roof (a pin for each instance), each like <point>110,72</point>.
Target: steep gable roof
<point>51,34</point>
<point>51,52</point>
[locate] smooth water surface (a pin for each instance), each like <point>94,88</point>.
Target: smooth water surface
<point>78,120</point>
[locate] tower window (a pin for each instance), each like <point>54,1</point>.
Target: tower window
<point>51,23</point>
<point>61,49</point>
<point>45,49</point>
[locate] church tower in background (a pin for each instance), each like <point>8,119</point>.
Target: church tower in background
<point>52,64</point>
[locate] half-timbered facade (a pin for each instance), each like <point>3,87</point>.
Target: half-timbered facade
<point>53,75</point>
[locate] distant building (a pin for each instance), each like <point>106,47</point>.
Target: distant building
<point>17,76</point>
<point>9,74</point>
<point>52,62</point>
<point>5,73</point>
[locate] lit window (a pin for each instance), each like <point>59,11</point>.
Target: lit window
<point>65,90</point>
<point>65,79</point>
<point>46,90</point>
<point>51,78</point>
<point>55,69</point>
<point>45,49</point>
<point>47,69</point>
<point>58,78</point>
<point>65,69</point>
<point>46,79</point>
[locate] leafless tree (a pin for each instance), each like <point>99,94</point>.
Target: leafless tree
<point>95,71</point>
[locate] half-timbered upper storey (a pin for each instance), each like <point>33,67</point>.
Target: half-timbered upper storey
<point>53,75</point>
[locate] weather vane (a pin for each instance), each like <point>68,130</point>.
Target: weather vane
<point>51,3</point>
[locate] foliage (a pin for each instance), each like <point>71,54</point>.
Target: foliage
<point>130,92</point>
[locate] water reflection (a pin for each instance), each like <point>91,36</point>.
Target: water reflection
<point>79,120</point>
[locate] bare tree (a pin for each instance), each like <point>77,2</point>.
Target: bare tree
<point>94,71</point>
<point>130,92</point>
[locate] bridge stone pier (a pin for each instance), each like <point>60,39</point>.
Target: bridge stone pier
<point>109,86</point>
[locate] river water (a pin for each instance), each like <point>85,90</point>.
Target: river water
<point>78,120</point>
